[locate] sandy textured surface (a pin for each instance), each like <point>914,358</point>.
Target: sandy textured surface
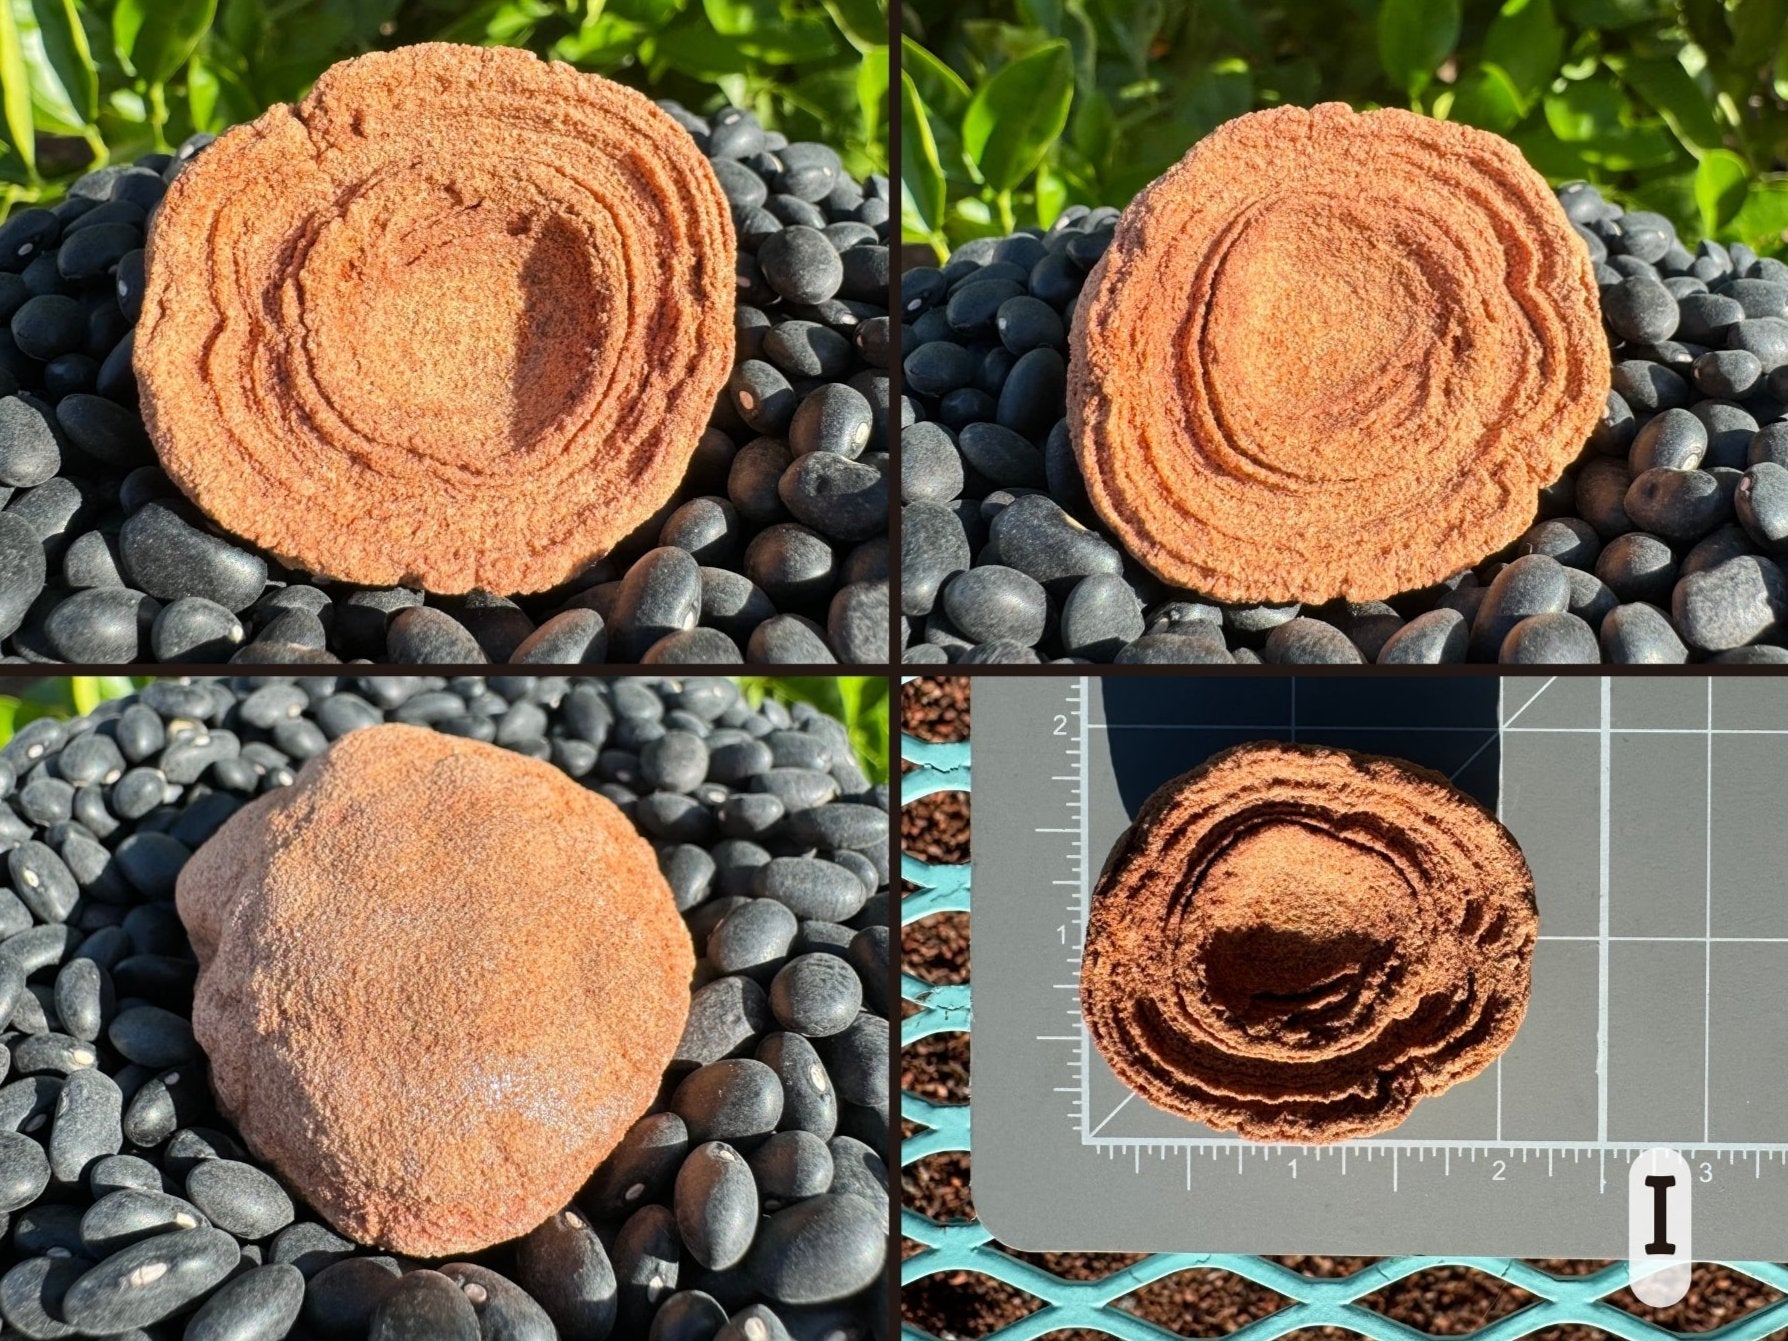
<point>1297,943</point>
<point>1333,354</point>
<point>455,320</point>
<point>437,982</point>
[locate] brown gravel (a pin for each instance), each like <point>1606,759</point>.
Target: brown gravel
<point>935,828</point>
<point>937,1068</point>
<point>936,948</point>
<point>935,708</point>
<point>1441,1301</point>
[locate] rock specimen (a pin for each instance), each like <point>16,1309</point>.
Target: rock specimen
<point>1299,944</point>
<point>437,982</point>
<point>455,320</point>
<point>1333,354</point>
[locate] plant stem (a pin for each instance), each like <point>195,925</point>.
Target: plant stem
<point>1008,220</point>
<point>158,116</point>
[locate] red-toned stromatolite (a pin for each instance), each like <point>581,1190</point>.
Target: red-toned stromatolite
<point>1299,944</point>
<point>456,320</point>
<point>1333,354</point>
<point>437,981</point>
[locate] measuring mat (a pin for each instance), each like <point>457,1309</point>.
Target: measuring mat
<point>1651,811</point>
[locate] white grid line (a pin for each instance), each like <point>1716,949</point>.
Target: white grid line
<point>1501,708</point>
<point>1602,951</point>
<point>1707,942</point>
<point>1085,705</point>
<point>1449,730</point>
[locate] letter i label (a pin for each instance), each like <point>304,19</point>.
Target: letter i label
<point>1658,1247</point>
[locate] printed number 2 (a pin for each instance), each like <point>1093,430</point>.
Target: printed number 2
<point>1500,1171</point>
<point>1061,725</point>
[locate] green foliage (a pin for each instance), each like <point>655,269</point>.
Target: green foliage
<point>62,696</point>
<point>859,701</point>
<point>89,82</point>
<point>1017,108</point>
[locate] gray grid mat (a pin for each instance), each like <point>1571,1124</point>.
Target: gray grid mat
<point>1651,812</point>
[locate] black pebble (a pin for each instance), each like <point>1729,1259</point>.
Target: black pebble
<point>563,1265</point>
<point>168,556</point>
<point>716,1205</point>
<point>259,1305</point>
<point>150,1280</point>
<point>424,1306</point>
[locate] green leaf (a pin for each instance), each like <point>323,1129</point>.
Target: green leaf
<point>153,38</point>
<point>1526,44</point>
<point>1132,26</point>
<point>872,93</point>
<point>758,29</point>
<point>604,39</point>
<point>1587,110</point>
<point>215,93</point>
<point>1016,115</point>
<point>243,23</point>
<point>65,47</point>
<point>1488,98</point>
<point>204,91</point>
<point>84,691</point>
<point>971,217</point>
<point>864,23</point>
<point>921,175</point>
<point>1094,128</point>
<point>653,13</point>
<point>1756,25</point>
<point>1720,184</point>
<point>1781,80</point>
<point>499,23</point>
<point>1414,37</point>
<point>15,94</point>
<point>1548,155</point>
<point>1670,91</point>
<point>693,47</point>
<point>1209,97</point>
<point>1637,148</point>
<point>128,105</point>
<point>1052,196</point>
<point>1611,13</point>
<point>943,89</point>
<point>53,112</point>
<point>1763,221</point>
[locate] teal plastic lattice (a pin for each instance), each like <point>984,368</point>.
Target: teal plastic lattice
<point>1092,1304</point>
